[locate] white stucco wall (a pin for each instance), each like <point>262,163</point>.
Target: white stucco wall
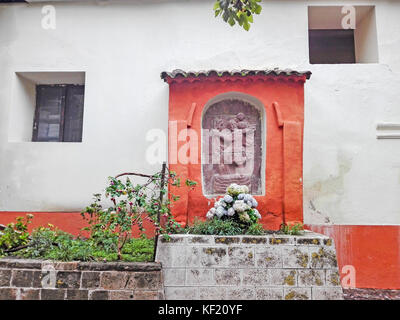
<point>350,177</point>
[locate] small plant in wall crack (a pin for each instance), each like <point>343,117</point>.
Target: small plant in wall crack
<point>294,228</point>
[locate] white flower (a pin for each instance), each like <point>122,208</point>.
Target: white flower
<point>232,189</point>
<point>231,212</point>
<point>235,189</point>
<point>213,210</point>
<point>257,214</point>
<point>244,217</point>
<point>240,206</point>
<point>209,215</point>
<point>254,203</point>
<point>216,204</point>
<point>221,211</point>
<point>248,197</point>
<point>228,198</point>
<point>241,196</point>
<point>222,203</point>
<point>249,203</point>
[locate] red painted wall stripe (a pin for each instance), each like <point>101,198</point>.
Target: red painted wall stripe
<point>71,222</point>
<point>374,251</point>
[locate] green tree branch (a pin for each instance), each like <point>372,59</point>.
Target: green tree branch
<point>237,11</point>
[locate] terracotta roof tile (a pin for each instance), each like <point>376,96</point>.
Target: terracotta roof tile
<point>177,73</point>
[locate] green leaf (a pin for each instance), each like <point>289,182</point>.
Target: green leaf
<point>246,25</point>
<point>241,20</point>
<point>225,16</point>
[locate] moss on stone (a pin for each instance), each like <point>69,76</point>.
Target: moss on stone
<point>334,279</point>
<point>215,251</point>
<point>302,260</point>
<point>253,240</point>
<point>313,241</point>
<point>322,256</point>
<point>292,295</point>
<point>289,280</point>
<point>226,240</point>
<point>278,240</point>
<point>198,240</point>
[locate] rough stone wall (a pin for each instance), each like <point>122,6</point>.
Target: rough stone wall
<point>43,280</point>
<point>250,267</point>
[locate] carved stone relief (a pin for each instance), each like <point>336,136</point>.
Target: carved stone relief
<point>232,146</point>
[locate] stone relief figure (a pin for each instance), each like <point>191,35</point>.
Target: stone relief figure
<point>234,139</point>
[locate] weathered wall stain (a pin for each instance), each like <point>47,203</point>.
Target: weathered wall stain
<point>323,195</point>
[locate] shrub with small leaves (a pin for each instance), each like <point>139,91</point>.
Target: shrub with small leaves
<point>130,206</point>
<point>294,229</point>
<point>256,229</point>
<point>15,234</point>
<point>215,227</point>
<point>42,240</point>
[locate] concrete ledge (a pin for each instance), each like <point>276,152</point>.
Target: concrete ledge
<point>250,267</point>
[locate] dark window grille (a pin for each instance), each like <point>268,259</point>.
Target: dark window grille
<point>59,113</point>
<point>332,46</point>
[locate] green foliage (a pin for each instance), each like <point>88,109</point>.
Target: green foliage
<point>42,240</point>
<point>292,229</point>
<point>224,227</point>
<point>256,229</point>
<point>237,11</point>
<point>214,227</point>
<point>15,234</point>
<point>139,250</point>
<point>53,244</point>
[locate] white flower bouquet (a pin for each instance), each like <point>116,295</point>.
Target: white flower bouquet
<point>237,205</point>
